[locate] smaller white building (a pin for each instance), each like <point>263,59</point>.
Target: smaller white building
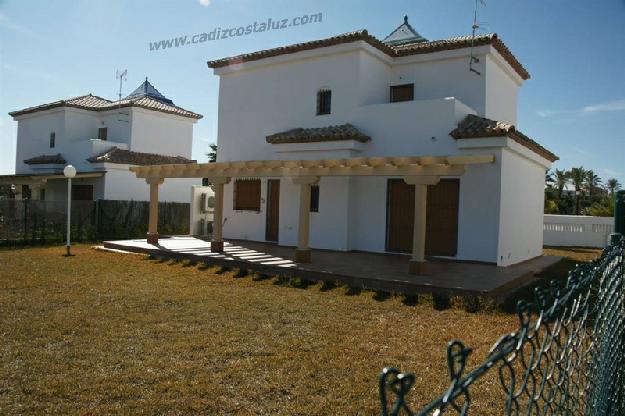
<point>102,139</point>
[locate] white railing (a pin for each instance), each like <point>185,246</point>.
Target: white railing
<point>100,146</point>
<point>577,230</point>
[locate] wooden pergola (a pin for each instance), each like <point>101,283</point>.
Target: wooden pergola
<point>418,171</point>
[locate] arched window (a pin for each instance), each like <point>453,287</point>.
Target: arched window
<point>324,102</point>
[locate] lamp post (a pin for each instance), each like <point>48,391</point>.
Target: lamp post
<point>69,173</point>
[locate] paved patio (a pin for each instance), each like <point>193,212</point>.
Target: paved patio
<point>386,272</point>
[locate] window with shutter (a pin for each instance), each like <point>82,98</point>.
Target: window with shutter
<point>247,195</point>
<point>324,102</point>
<point>102,133</point>
<point>402,93</point>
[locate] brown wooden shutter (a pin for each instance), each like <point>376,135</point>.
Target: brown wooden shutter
<point>402,93</point>
<point>247,195</point>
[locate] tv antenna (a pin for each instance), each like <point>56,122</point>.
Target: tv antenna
<point>121,76</point>
<point>474,59</point>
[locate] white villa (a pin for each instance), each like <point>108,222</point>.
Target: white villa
<point>392,146</point>
<point>101,139</point>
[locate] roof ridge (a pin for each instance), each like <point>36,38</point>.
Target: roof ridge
<point>396,51</point>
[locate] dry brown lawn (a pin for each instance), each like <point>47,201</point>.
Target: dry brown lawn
<point>105,333</point>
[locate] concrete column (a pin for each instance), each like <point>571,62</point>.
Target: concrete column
<point>152,236</point>
<point>217,241</point>
<point>417,262</point>
<point>302,253</point>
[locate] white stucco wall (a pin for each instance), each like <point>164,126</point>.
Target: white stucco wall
<point>33,137</point>
<point>522,204</point>
<point>501,91</point>
<point>122,184</point>
<point>166,134</point>
<point>56,190</point>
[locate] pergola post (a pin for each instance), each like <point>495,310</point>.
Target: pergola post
<point>417,262</point>
<point>302,253</point>
<point>154,183</point>
<point>217,240</point>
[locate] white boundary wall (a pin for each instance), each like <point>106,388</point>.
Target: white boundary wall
<point>577,230</point>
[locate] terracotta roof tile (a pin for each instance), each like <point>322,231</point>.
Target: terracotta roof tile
<point>393,51</point>
<point>46,160</point>
<point>319,134</point>
<point>464,42</point>
<point>473,127</point>
<point>95,103</point>
<point>128,157</point>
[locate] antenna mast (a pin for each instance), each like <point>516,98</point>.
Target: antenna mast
<point>474,59</point>
<point>121,76</point>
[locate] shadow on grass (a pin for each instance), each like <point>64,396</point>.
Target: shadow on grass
<point>189,263</point>
<point>223,269</point>
<point>410,300</point>
<point>381,295</point>
<point>241,273</point>
<point>259,277</point>
<point>327,286</point>
<point>353,291</point>
<point>557,273</point>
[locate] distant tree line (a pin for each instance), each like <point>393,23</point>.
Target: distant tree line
<point>579,192</point>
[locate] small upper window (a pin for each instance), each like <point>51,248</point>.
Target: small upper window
<point>324,102</point>
<point>314,198</point>
<point>402,93</point>
<point>102,133</point>
<point>52,140</point>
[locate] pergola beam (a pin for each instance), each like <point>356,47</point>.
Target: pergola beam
<point>358,166</point>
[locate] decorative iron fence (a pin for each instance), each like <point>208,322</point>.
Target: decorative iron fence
<point>31,222</point>
<point>567,357</point>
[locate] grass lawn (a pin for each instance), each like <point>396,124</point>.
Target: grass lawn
<point>103,333</point>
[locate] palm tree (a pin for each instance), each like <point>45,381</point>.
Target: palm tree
<point>578,178</point>
<point>549,179</point>
<point>561,178</point>
<point>613,185</point>
<point>212,155</point>
<point>593,182</point>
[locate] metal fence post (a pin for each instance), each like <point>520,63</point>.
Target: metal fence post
<point>619,217</point>
<point>97,220</point>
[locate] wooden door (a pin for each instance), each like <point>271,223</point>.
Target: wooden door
<point>273,210</point>
<point>441,220</point>
<point>400,216</point>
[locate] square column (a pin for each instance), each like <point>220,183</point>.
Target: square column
<point>154,183</point>
<point>217,240</point>
<point>302,253</point>
<point>417,262</point>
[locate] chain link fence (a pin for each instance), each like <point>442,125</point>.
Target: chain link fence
<point>32,222</point>
<point>566,358</point>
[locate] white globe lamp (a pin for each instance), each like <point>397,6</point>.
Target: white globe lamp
<point>69,173</point>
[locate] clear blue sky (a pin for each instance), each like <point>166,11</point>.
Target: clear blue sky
<point>574,104</point>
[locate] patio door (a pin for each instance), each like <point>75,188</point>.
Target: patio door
<point>399,216</point>
<point>441,220</point>
<point>273,210</point>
